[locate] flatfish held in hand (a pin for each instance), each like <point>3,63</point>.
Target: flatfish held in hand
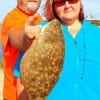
<point>41,65</point>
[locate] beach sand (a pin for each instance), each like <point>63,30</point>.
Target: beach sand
<point>1,84</point>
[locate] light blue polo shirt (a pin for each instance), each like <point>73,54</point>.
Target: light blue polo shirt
<point>16,71</point>
<point>80,76</point>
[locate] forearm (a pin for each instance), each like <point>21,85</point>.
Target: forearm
<point>19,40</point>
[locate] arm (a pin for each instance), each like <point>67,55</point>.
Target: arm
<point>22,38</point>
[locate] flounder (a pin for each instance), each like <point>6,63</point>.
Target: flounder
<point>41,65</point>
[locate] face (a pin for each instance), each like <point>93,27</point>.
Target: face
<point>67,10</point>
<point>29,6</point>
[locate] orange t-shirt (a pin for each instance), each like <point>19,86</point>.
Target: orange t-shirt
<point>15,19</point>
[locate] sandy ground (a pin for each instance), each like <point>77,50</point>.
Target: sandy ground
<point>1,83</point>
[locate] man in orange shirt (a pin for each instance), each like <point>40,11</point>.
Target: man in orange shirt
<point>17,34</point>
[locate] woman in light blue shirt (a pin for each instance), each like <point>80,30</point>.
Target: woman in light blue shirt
<point>80,76</point>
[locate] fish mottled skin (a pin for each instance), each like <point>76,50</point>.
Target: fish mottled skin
<point>41,64</point>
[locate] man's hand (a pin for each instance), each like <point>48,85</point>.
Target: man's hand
<point>31,29</point>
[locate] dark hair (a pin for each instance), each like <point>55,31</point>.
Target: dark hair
<point>50,14</point>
